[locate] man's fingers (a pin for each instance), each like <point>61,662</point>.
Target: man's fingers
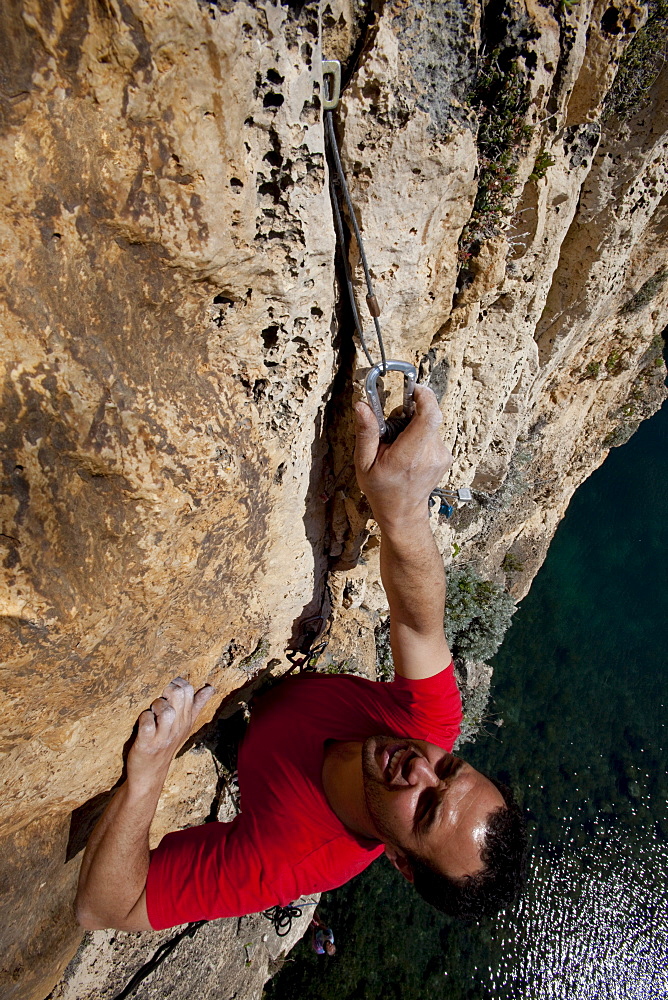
<point>201,698</point>
<point>146,723</point>
<point>425,422</point>
<point>170,717</point>
<point>164,713</point>
<point>367,436</point>
<point>180,682</point>
<point>178,691</point>
<point>426,406</point>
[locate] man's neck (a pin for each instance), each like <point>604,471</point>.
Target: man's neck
<point>343,782</point>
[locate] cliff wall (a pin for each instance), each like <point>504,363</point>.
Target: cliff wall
<point>178,362</point>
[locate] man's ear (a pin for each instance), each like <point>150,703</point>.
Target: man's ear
<point>400,862</point>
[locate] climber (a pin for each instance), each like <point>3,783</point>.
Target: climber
<point>322,938</point>
<point>334,770</point>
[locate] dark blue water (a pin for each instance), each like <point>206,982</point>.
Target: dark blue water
<point>581,684</point>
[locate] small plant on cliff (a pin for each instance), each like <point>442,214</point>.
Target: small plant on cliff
<point>621,434</point>
<point>384,661</point>
<point>640,65</point>
<point>477,615</point>
<point>653,356</point>
<point>341,667</point>
<point>646,395</point>
<point>613,362</point>
<point>475,711</point>
<point>646,292</point>
<point>251,663</point>
<point>501,100</point>
<point>540,167</point>
<point>511,564</point>
<point>592,370</point>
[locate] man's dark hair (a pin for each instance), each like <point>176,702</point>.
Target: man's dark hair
<point>499,882</point>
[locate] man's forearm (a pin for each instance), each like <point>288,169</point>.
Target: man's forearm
<point>398,479</point>
<point>115,865</point>
<point>413,576</point>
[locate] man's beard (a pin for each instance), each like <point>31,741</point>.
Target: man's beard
<point>373,788</point>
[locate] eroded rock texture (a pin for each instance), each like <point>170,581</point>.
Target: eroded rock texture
<point>178,364</point>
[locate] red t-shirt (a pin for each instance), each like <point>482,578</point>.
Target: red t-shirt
<point>287,841</point>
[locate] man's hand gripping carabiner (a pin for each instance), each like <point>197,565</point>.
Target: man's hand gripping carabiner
<point>391,427</point>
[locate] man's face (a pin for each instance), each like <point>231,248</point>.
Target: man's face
<point>427,802</point>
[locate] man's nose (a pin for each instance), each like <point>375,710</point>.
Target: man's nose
<point>420,772</point>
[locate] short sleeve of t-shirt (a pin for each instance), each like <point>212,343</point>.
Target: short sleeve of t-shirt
<point>202,873</point>
<point>433,704</point>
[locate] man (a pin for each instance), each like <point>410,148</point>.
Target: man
<point>322,792</point>
<point>322,938</point>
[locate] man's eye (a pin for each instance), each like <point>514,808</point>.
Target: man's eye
<point>425,806</point>
<point>446,766</point>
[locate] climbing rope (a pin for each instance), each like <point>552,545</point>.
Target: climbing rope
<point>338,224</point>
<point>282,916</point>
<point>338,178</point>
<point>392,426</point>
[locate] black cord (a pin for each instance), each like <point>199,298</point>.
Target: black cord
<point>158,958</point>
<point>282,917</point>
<point>338,224</point>
<point>341,178</point>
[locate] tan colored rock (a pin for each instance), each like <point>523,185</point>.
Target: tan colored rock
<point>143,430</point>
<point>37,886</point>
<point>167,298</point>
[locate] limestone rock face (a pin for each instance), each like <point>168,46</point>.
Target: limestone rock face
<point>225,959</point>
<point>178,364</point>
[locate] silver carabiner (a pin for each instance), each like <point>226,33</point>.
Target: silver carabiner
<point>392,427</point>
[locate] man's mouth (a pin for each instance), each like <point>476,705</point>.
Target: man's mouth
<point>396,756</point>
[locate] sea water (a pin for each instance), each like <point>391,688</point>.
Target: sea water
<point>581,688</point>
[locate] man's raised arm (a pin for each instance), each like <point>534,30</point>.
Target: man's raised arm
<point>112,882</point>
<point>397,480</point>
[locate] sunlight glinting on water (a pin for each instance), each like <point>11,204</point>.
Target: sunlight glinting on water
<point>593,924</point>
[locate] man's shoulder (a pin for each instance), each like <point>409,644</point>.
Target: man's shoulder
<point>321,686</point>
<point>299,712</point>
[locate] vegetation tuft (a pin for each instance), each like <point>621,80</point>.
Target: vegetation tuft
<point>384,661</point>
<point>250,664</point>
<point>645,397</point>
<point>540,167</point>
<point>477,616</point>
<point>511,564</point>
<point>613,362</point>
<point>646,292</point>
<point>622,433</point>
<point>501,101</point>
<point>591,371</point>
<point>640,65</point>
